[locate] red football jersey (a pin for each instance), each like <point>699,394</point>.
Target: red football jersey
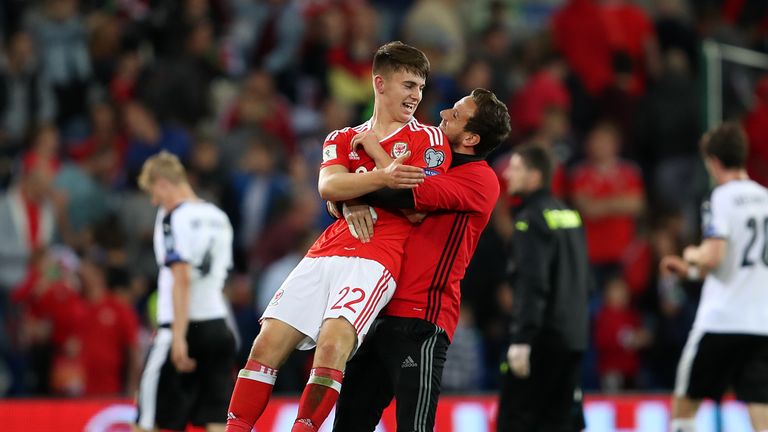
<point>438,251</point>
<point>429,150</point>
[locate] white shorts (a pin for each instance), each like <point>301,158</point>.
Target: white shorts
<point>331,287</point>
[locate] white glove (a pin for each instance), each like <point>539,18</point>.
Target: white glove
<point>519,359</point>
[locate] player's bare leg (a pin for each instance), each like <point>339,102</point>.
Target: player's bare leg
<point>270,350</point>
<point>274,343</point>
<point>215,427</point>
<point>334,346</point>
<point>684,414</point>
<point>758,414</point>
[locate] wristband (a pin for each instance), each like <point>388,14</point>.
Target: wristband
<point>694,272</point>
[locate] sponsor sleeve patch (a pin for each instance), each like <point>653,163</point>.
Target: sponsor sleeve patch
<point>329,152</point>
<point>434,158</point>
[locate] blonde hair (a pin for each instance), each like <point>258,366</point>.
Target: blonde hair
<point>162,165</point>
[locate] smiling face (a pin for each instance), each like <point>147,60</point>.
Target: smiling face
<point>399,94</point>
<point>454,120</point>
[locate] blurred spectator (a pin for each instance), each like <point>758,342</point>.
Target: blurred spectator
<point>85,187</point>
<point>105,43</point>
<point>28,215</point>
<point>352,43</point>
<point>148,136</point>
<point>494,48</point>
<point>206,172</point>
<point>176,88</point>
<point>580,34</point>
<point>435,27</point>
<point>667,131</point>
<point>631,35</point>
<point>170,21</point>
<point>26,98</point>
<point>672,308</point>
<point>608,192</point>
<point>259,189</point>
<point>127,74</point>
<point>463,371</point>
<point>109,332</point>
<point>756,127</point>
<point>286,229</point>
<point>61,35</point>
<point>617,102</point>
<point>675,29</point>
<point>543,90</point>
<point>49,335</point>
<point>619,335</point>
<point>258,105</point>
<point>553,133</point>
<point>268,36</point>
<point>106,137</point>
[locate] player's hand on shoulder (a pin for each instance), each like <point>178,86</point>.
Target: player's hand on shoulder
<point>400,176</point>
<point>360,219</point>
<point>367,140</point>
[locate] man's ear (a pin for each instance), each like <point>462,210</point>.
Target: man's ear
<point>378,83</point>
<point>471,139</point>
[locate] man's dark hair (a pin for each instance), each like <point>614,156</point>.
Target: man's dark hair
<point>490,121</point>
<point>727,143</point>
<point>539,159</point>
<point>397,56</point>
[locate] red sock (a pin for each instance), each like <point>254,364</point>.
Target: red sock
<point>318,399</point>
<point>252,390</point>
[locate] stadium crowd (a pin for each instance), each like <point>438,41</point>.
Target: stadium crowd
<point>245,91</point>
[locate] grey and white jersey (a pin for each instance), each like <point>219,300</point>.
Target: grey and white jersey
<point>735,294</point>
<point>198,233</point>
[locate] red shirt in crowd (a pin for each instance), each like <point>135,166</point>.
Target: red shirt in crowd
<point>756,127</point>
<point>607,237</point>
<point>429,149</point>
<point>580,35</point>
<point>110,328</point>
<point>542,91</point>
<point>629,30</point>
<point>613,326</point>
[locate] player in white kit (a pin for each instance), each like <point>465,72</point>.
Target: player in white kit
<point>728,345</point>
<point>188,374</point>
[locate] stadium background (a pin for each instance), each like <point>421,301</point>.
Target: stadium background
<point>244,92</point>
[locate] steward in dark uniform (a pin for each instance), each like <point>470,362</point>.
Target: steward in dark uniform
<point>549,326</point>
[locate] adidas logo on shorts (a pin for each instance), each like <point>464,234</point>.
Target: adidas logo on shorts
<point>231,416</point>
<point>408,363</point>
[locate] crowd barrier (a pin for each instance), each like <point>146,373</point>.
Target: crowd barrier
<point>641,413</point>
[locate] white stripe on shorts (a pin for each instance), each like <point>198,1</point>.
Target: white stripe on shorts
<point>683,378</point>
<point>373,301</point>
<point>150,378</point>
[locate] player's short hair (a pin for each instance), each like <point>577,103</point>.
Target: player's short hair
<point>396,57</point>
<point>728,143</point>
<point>490,121</point>
<point>538,159</point>
<point>162,165</point>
